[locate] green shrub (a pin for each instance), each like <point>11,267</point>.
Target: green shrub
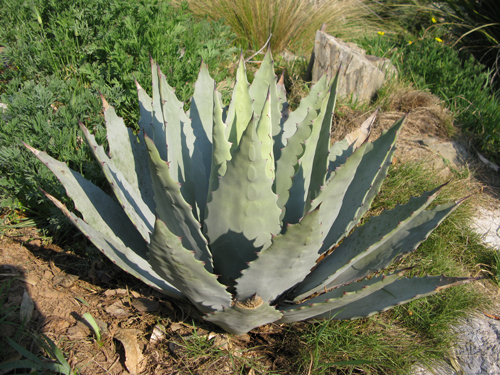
<point>101,42</point>
<point>60,54</point>
<point>47,114</point>
<point>476,24</point>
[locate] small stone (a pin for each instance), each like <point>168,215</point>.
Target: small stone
<point>64,280</point>
<point>78,331</point>
<point>175,326</point>
<point>173,348</point>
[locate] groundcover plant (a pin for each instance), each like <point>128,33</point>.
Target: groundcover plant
<point>238,209</point>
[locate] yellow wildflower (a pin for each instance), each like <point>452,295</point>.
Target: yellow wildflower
<point>381,33</point>
<point>410,42</point>
<point>433,20</point>
<point>439,40</point>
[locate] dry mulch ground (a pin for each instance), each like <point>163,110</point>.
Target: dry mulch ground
<point>143,331</point>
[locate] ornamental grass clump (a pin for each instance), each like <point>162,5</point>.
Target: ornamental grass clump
<point>238,209</point>
<point>292,23</point>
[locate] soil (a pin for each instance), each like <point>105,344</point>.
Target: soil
<point>64,286</point>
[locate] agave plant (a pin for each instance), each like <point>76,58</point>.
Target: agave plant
<point>238,209</point>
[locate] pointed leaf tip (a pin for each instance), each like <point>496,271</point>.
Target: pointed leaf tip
<point>105,104</point>
<point>32,149</point>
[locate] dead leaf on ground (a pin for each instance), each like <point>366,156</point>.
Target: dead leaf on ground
<point>134,359</point>
<point>158,334</point>
<point>168,305</point>
<point>145,305</point>
<point>492,316</point>
<point>27,307</point>
<point>118,310</point>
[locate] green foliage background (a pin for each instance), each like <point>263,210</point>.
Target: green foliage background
<point>59,54</point>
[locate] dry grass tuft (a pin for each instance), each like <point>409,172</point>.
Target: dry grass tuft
<point>293,23</point>
<point>427,116</point>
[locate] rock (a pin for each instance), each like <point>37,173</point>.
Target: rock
<point>486,223</point>
<point>452,152</point>
<point>362,75</point>
<point>479,351</point>
<point>439,154</point>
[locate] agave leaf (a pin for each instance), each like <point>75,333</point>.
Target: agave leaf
<point>239,113</point>
<point>298,192</point>
<point>129,155</point>
<point>400,231</point>
<point>280,87</point>
<point>285,263</point>
<point>201,185</point>
<point>157,130</point>
<point>147,124</point>
<point>279,139</point>
<point>365,184</point>
<point>312,101</point>
<point>384,252</point>
<point>341,150</point>
<point>221,150</point>
<point>179,267</point>
<point>265,83</point>
<point>242,215</point>
<point>98,209</point>
<point>201,114</point>
<point>173,210</point>
<point>357,137</point>
<point>137,211</point>
<point>319,166</point>
<point>397,293</point>
<point>287,166</point>
<point>336,299</point>
<point>264,133</point>
<point>145,110</point>
<point>180,141</point>
<point>242,317</point>
<point>124,257</point>
<point>333,194</point>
